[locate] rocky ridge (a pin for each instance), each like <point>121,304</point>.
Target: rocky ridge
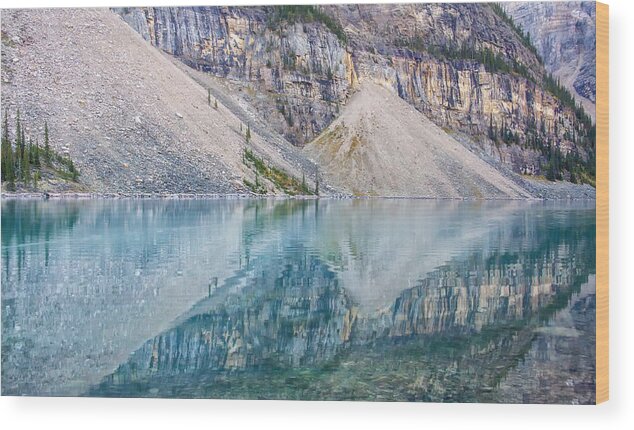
<point>299,72</point>
<point>139,121</point>
<point>564,34</point>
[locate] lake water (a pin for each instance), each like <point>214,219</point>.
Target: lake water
<point>393,300</point>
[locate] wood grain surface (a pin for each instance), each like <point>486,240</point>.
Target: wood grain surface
<point>602,336</point>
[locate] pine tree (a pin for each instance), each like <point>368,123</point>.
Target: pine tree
<point>317,183</point>
<point>492,131</point>
<point>25,169</point>
<point>18,143</point>
<point>248,135</point>
<point>209,96</point>
<point>3,166</point>
<point>71,169</point>
<point>8,168</point>
<point>29,152</point>
<point>36,154</point>
<point>303,183</point>
<point>216,104</point>
<point>23,150</point>
<point>47,148</point>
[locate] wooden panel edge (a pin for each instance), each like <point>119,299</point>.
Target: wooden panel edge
<point>602,206</point>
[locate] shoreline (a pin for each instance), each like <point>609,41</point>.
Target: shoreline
<point>194,196</point>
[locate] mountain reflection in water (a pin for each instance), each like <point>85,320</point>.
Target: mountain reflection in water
<point>393,300</point>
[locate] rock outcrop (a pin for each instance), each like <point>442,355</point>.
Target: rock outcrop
<point>462,65</point>
<point>301,71</point>
<point>564,34</point>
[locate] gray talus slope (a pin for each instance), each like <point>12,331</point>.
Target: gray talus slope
<point>131,120</point>
<point>381,145</point>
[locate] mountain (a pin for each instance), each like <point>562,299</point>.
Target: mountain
<point>467,67</point>
<point>564,34</point>
<point>139,119</point>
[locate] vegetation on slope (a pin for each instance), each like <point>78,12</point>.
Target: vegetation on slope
<point>583,132</point>
<point>556,165</point>
<point>25,162</point>
<point>548,82</point>
<point>554,86</point>
<point>524,36</point>
<point>280,179</point>
<point>306,14</point>
<point>492,62</point>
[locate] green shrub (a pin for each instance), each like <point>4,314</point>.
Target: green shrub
<point>306,14</point>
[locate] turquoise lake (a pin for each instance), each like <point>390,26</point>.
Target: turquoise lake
<point>375,299</point>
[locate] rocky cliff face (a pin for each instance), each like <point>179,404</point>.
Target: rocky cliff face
<point>463,65</point>
<point>300,71</point>
<point>564,34</point>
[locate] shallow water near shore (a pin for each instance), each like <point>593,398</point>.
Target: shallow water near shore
<point>391,300</point>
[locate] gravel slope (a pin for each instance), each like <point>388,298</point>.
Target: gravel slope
<point>131,120</point>
<point>381,145</point>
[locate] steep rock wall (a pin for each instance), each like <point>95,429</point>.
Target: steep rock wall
<point>462,65</point>
<point>564,34</point>
<point>301,72</point>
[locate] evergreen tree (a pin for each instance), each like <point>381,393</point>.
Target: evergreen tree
<point>25,169</point>
<point>23,149</point>
<point>29,152</point>
<point>71,169</point>
<point>36,154</point>
<point>3,165</point>
<point>248,135</point>
<point>8,168</point>
<point>209,96</point>
<point>216,104</point>
<point>47,148</point>
<point>18,143</point>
